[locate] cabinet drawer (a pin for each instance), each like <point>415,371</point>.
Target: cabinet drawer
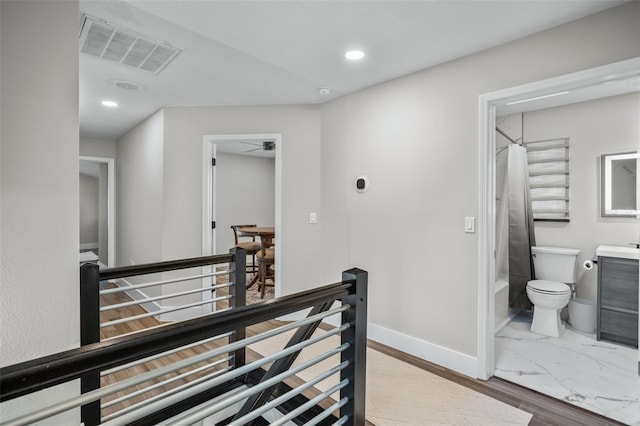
<point>618,324</point>
<point>619,283</point>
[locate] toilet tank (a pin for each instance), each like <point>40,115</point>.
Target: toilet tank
<point>555,263</point>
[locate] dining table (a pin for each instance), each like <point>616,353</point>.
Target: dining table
<point>257,231</point>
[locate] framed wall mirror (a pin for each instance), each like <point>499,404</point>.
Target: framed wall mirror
<point>620,190</point>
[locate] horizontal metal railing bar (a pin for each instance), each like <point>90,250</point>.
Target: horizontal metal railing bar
<point>171,410</point>
<point>191,418</point>
<point>285,397</point>
<point>163,354</point>
<point>144,377</point>
<point>304,407</point>
<point>29,376</point>
<point>165,394</point>
<point>163,383</point>
<point>164,311</point>
<point>194,390</point>
<point>170,265</point>
<point>326,413</point>
<point>155,327</point>
<point>166,296</point>
<point>162,282</point>
<point>343,420</point>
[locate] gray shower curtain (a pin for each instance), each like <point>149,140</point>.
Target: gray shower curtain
<point>521,231</point>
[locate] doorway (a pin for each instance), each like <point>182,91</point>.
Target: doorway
<point>255,148</point>
<point>489,104</point>
<point>100,225</point>
<point>564,90</point>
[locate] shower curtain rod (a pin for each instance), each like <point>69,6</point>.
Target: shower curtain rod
<point>505,135</point>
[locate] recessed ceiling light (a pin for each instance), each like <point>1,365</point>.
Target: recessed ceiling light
<point>354,55</point>
<point>110,104</point>
<point>324,90</point>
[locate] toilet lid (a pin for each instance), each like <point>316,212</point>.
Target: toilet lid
<point>548,287</point>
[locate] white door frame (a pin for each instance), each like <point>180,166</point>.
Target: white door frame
<point>487,166</point>
<point>111,205</point>
<point>208,197</point>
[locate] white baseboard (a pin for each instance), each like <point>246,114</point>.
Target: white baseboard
<point>502,325</point>
<point>453,360</point>
<point>436,354</point>
<point>136,294</point>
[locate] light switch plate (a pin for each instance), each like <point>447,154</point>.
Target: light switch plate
<point>313,218</point>
<point>470,225</point>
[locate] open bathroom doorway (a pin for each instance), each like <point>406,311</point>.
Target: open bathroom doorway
<point>556,97</point>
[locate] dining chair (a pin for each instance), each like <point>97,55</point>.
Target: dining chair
<point>252,246</point>
<point>266,260</point>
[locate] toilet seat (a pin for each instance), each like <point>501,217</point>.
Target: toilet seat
<point>548,287</point>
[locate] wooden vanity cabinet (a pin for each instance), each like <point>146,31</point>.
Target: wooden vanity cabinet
<point>617,315</point>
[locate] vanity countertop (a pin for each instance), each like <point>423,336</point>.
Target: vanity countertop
<point>618,251</point>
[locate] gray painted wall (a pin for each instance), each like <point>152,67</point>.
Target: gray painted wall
<point>96,147</point>
<point>39,179</point>
<point>300,148</point>
<point>89,209</point>
<point>139,200</point>
<point>604,126</point>
<point>417,139</point>
<point>39,189</point>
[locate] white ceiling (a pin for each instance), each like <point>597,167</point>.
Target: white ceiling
<point>282,52</point>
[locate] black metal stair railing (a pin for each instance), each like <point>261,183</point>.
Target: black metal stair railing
<point>91,280</point>
<point>253,388</point>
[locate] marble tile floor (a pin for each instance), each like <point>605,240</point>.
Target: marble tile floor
<point>598,376</point>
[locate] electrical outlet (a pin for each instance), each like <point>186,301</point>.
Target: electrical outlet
<point>313,218</point>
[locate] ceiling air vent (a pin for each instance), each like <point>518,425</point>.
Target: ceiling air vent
<point>100,39</point>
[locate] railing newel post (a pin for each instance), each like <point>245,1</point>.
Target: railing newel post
<point>238,275</point>
<point>90,333</point>
<point>356,353</point>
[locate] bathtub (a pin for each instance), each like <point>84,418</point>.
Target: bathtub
<point>501,290</point>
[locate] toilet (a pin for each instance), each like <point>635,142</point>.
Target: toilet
<point>555,269</point>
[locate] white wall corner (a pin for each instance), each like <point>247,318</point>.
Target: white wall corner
<point>448,358</point>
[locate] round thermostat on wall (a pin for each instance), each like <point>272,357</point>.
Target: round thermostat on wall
<point>362,184</point>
